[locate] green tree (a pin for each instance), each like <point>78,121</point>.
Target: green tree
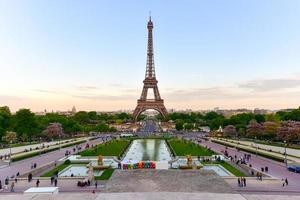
<point>25,122</point>
<point>10,137</point>
<point>82,117</point>
<point>93,115</point>
<point>5,120</point>
<point>179,124</point>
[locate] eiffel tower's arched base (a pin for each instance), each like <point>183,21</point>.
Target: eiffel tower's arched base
<point>143,105</point>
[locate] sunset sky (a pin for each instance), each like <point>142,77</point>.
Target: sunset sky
<point>92,54</point>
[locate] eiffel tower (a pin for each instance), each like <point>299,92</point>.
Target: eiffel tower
<point>150,82</point>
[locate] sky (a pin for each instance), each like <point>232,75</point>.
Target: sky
<point>92,54</point>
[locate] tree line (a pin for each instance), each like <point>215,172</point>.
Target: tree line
<point>25,126</point>
<point>281,126</point>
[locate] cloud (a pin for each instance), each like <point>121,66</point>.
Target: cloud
<point>106,97</point>
<point>267,85</point>
<point>115,85</point>
<point>48,91</point>
<point>86,88</point>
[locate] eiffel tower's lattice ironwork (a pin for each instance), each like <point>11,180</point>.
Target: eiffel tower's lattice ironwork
<point>150,82</point>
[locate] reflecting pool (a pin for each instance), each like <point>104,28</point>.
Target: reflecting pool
<point>77,170</point>
<point>148,149</point>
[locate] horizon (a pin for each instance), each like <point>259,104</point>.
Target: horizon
<point>229,55</point>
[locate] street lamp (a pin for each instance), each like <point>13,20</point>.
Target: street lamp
<point>10,152</point>
<point>285,155</point>
<point>40,145</point>
<point>256,147</point>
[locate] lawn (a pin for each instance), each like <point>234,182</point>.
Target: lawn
<point>183,148</point>
<point>105,175</point>
<point>56,169</point>
<point>112,148</point>
<point>229,168</point>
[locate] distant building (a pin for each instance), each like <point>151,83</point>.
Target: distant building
<point>73,110</point>
<point>204,129</point>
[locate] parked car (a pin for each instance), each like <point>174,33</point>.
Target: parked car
<point>293,168</point>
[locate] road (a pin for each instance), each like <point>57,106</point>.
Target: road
<point>24,166</point>
<point>149,127</point>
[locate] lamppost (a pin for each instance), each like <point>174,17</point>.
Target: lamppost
<point>256,147</point>
<point>10,152</point>
<point>40,145</point>
<point>285,155</point>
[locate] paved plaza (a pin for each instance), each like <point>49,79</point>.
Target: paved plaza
<point>23,166</point>
<point>276,170</point>
<point>149,196</point>
<point>166,181</point>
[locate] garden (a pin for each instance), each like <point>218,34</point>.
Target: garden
<point>183,148</point>
<point>111,148</point>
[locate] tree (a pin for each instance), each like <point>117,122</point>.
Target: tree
<point>188,126</point>
<point>10,137</point>
<point>289,131</point>
<point>54,130</point>
<point>230,130</point>
<point>5,120</point>
<point>254,129</point>
<point>270,129</point>
<point>92,115</point>
<point>25,123</point>
<point>179,124</point>
<point>102,127</point>
<point>82,117</point>
<point>273,118</point>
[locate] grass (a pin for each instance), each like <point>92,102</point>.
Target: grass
<point>56,169</point>
<point>112,148</point>
<point>228,167</point>
<point>105,175</point>
<point>183,148</point>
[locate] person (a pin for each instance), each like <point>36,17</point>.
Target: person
<point>266,169</point>
<point>52,180</point>
<point>244,180</point>
<point>96,184</point>
<point>239,182</point>
<point>18,174</point>
<point>0,185</point>
<point>6,182</point>
<point>29,177</point>
<point>286,182</point>
<point>34,166</point>
<point>55,182</point>
<point>283,182</point>
<point>12,187</point>
<point>16,180</point>
<point>37,182</point>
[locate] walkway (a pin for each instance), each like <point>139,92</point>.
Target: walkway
<point>276,169</point>
<point>24,166</point>
<point>148,195</point>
